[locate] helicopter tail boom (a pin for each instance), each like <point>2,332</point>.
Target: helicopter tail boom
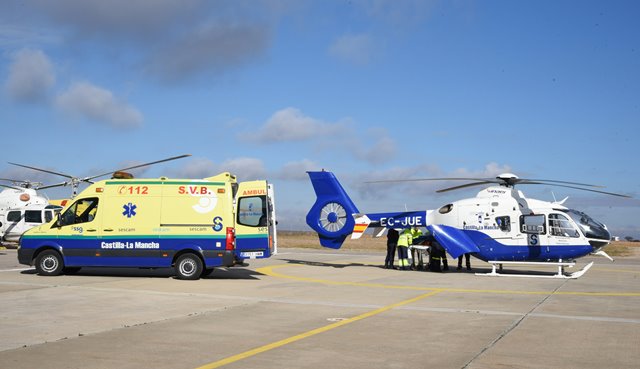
<point>334,216</point>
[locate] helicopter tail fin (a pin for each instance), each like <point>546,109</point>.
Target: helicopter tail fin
<point>332,215</point>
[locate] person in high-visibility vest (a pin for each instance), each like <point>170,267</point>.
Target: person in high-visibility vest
<point>404,240</point>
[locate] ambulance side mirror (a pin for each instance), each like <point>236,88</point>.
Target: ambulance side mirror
<point>58,222</point>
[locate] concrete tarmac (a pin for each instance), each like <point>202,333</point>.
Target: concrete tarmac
<point>320,309</point>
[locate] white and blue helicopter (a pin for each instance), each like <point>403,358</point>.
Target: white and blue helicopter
<point>500,225</point>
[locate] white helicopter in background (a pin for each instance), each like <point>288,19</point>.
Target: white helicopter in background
<point>500,225</point>
<point>22,208</point>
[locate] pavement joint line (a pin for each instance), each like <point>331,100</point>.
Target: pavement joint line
<point>270,272</point>
<point>513,326</point>
<point>313,332</point>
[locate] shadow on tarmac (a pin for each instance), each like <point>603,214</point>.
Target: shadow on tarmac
<point>218,273</point>
<point>332,265</point>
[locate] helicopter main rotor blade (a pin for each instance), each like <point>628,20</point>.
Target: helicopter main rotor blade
<point>465,186</point>
<point>54,185</point>
<point>583,189</point>
<point>12,187</point>
<point>42,170</point>
<point>491,180</point>
<point>87,179</point>
<point>550,181</point>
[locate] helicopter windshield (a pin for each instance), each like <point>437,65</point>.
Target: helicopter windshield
<point>590,227</point>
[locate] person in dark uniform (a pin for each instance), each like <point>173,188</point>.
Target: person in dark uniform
<point>437,256</point>
<point>392,242</point>
<point>467,256</point>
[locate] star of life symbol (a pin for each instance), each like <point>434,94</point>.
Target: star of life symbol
<point>129,210</point>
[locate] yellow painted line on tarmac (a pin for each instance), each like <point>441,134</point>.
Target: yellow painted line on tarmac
<point>310,333</point>
<point>270,272</point>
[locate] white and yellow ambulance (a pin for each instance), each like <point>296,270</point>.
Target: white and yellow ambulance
<point>189,224</point>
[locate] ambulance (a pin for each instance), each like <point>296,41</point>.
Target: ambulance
<point>190,225</point>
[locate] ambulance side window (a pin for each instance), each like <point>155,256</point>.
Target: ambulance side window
<point>82,211</point>
<point>252,211</point>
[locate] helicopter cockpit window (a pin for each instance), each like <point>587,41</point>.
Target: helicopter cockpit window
<point>559,225</point>
<point>14,216</point>
<point>504,223</point>
<point>33,216</point>
<point>445,209</point>
<point>82,211</point>
<point>533,224</point>
<point>589,226</point>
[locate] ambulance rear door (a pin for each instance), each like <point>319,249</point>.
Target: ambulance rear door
<point>253,237</point>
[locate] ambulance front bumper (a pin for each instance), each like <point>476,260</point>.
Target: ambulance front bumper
<point>25,256</point>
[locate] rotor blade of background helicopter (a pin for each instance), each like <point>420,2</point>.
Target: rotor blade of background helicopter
<point>42,170</point>
<point>465,185</point>
<point>86,179</point>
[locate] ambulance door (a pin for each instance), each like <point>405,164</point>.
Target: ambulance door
<point>253,240</point>
<point>78,232</point>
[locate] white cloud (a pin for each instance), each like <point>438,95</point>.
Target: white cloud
<point>355,49</point>
<point>245,168</point>
<point>296,170</point>
<point>290,124</point>
<point>31,76</point>
<point>383,148</point>
<point>87,101</point>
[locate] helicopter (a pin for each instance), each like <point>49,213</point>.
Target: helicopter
<point>22,208</point>
<point>499,226</point>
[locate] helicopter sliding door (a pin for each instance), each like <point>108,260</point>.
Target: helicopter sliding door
<point>534,228</point>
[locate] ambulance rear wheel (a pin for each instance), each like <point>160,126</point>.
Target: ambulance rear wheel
<point>49,263</point>
<point>188,266</point>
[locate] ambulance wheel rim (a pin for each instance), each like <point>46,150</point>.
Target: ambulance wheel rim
<point>187,267</point>
<point>49,263</point>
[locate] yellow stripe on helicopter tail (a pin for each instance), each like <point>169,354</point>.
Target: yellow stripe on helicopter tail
<point>362,222</point>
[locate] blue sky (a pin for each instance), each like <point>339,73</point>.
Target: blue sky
<point>368,89</point>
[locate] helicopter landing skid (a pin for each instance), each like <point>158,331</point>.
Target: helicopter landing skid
<point>560,264</point>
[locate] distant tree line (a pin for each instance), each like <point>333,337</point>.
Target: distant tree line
<point>631,239</point>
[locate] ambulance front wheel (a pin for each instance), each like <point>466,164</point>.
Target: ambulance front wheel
<point>189,266</point>
<point>49,263</point>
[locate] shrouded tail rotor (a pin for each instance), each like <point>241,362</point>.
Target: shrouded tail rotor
<point>331,216</point>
